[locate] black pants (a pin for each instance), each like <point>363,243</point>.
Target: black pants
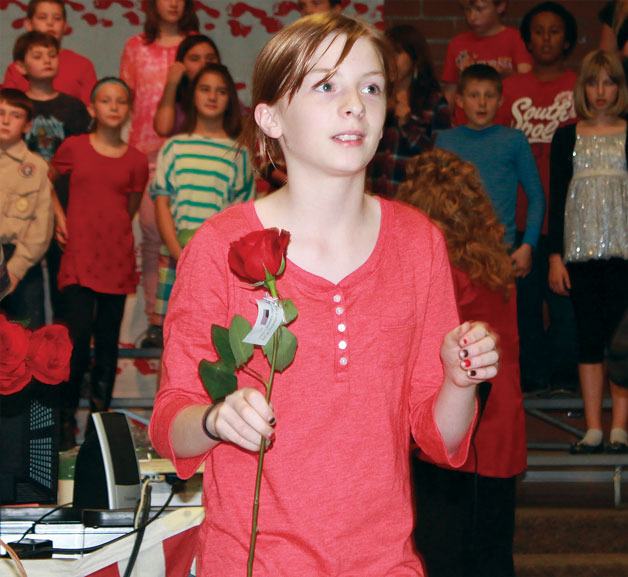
<point>91,314</point>
<point>464,530</point>
<point>599,291</point>
<point>26,302</point>
<point>547,357</point>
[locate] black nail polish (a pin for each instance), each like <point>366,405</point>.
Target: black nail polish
<point>464,353</point>
<point>272,422</point>
<point>472,373</point>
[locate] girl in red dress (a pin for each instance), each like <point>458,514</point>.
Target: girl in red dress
<point>107,177</point>
<point>466,517</point>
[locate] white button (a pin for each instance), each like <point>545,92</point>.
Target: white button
<point>337,298</point>
<point>342,328</point>
<point>343,361</point>
<point>342,345</point>
<point>339,310</point>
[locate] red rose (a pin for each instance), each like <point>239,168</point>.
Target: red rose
<point>14,374</point>
<point>49,354</point>
<point>258,252</point>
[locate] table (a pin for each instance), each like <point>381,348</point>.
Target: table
<point>168,550</point>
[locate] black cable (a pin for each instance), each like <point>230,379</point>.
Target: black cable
<point>85,550</point>
<point>143,511</point>
<point>40,519</point>
<point>484,390</point>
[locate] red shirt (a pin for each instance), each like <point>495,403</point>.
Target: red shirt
<point>336,496</point>
<point>99,253</point>
<point>503,51</point>
<point>501,438</point>
<point>76,76</point>
<point>538,109</point>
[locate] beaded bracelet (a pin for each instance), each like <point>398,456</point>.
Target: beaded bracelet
<point>204,423</point>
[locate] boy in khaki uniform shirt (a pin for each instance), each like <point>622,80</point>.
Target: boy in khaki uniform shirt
<point>26,210</point>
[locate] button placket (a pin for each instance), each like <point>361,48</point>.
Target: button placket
<point>342,356</point>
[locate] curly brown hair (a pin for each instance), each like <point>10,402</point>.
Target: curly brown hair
<point>450,193</point>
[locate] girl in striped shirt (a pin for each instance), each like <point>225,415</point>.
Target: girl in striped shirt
<point>199,172</point>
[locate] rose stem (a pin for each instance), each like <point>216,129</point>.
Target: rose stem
<point>262,447</point>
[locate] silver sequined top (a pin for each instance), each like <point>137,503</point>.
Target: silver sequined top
<point>596,210</point>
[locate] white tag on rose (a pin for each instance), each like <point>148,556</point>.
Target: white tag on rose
<point>270,316</point>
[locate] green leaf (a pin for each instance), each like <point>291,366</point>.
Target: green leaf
<point>239,328</point>
<point>218,379</point>
<point>285,352</point>
<point>289,310</point>
<point>185,236</point>
<point>220,338</point>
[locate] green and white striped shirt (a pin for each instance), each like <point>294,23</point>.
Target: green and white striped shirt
<point>202,176</point>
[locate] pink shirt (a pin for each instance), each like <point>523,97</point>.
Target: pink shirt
<point>336,496</point>
<point>76,76</point>
<point>538,108</point>
<point>144,68</point>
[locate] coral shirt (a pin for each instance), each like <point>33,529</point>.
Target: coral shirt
<point>76,76</point>
<point>99,253</point>
<point>538,109</point>
<point>335,496</point>
<point>500,443</point>
<point>144,68</point>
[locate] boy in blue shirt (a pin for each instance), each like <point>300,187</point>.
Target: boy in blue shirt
<point>502,156</point>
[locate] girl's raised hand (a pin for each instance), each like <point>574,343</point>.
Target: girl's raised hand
<point>175,73</point>
<point>244,418</point>
<point>469,354</point>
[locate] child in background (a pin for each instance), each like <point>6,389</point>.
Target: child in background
<point>487,42</point>
<point>537,103</point>
<point>614,19</point>
<point>76,75</point>
<point>56,116</point>
<point>107,177</point>
<point>501,155</point>
<point>372,284</point>
<point>144,67</point>
<point>464,528</point>
<point>193,53</point>
<point>415,112</point>
<point>198,174</point>
<point>588,234</point>
<point>26,209</point>
<point>308,7</point>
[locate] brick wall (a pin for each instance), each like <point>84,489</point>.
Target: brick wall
<point>441,20</point>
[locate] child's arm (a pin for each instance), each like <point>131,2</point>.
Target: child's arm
<point>244,186</point>
<point>133,203</point>
<point>165,225</point>
<point>31,246</point>
<point>163,123</point>
<point>61,227</point>
<point>561,170</point>
<point>470,349</point>
<point>528,175</point>
<point>127,63</point>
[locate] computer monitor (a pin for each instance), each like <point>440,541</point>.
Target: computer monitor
<point>29,445</point>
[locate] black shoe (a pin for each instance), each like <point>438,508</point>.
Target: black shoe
<point>617,448</point>
<point>154,338</point>
<point>581,448</point>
